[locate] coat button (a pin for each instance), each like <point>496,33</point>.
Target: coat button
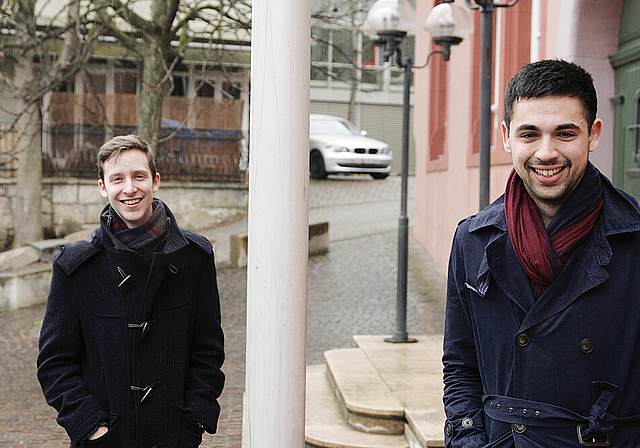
<point>519,428</point>
<point>467,422</point>
<point>586,346</point>
<point>523,339</point>
<point>449,429</point>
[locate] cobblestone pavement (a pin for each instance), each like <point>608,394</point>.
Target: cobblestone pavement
<point>352,290</point>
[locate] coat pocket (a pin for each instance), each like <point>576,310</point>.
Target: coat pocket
<point>190,432</point>
<point>110,439</point>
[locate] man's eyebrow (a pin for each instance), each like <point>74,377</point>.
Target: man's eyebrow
<point>564,126</point>
<point>526,127</point>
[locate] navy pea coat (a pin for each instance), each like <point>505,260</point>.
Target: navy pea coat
<point>559,371</point>
<point>134,344</point>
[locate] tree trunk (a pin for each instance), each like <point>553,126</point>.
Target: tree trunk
<point>154,87</point>
<point>27,206</point>
<point>28,198</point>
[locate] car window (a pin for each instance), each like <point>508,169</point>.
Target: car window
<point>332,127</point>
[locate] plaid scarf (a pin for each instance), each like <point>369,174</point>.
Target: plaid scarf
<point>543,252</point>
<point>143,239</point>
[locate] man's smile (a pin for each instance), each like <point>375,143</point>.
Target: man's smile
<point>131,201</point>
<point>547,173</point>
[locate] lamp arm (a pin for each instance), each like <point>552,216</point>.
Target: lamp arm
<point>511,3</point>
<point>431,53</point>
<point>470,6</point>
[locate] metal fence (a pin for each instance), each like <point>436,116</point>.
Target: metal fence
<point>187,154</point>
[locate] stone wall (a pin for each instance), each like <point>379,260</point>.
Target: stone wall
<point>70,205</point>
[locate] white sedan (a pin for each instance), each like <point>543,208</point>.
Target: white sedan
<point>337,146</point>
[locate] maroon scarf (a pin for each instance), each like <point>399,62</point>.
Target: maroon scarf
<point>543,252</point>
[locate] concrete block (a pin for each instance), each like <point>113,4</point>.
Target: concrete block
<point>238,249</point>
<point>318,244</point>
<point>18,258</point>
<point>48,249</point>
<point>318,238</point>
<point>25,287</point>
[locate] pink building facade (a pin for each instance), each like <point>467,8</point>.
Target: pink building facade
<point>447,101</point>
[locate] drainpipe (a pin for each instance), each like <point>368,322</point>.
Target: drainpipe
<point>278,224</point>
<point>536,29</point>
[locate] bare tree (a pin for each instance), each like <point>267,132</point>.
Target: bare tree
<point>33,64</point>
<point>161,38</point>
<point>27,73</point>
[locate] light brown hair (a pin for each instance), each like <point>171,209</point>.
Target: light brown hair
<point>116,145</point>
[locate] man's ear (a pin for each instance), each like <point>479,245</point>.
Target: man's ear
<point>156,182</point>
<point>103,189</point>
<point>594,137</point>
<point>505,137</point>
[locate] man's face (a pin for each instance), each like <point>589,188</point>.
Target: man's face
<point>549,143</point>
<point>129,185</point>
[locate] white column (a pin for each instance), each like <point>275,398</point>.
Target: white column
<point>278,224</point>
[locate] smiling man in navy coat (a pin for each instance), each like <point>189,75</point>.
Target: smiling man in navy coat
<point>542,329</point>
<point>131,343</point>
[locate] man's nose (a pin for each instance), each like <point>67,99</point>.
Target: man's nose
<point>129,186</point>
<point>547,149</point>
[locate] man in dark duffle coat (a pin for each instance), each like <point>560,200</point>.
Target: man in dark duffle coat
<point>131,344</point>
<point>542,332</point>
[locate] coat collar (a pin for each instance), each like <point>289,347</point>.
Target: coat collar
<point>621,214</point>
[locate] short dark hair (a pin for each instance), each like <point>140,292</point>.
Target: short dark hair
<point>116,145</point>
<point>552,77</point>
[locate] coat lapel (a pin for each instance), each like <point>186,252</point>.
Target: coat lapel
<point>583,272</point>
<point>508,273</point>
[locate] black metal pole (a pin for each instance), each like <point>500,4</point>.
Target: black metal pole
<point>403,226</point>
<point>485,102</point>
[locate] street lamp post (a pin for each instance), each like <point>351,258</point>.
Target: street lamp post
<point>391,21</point>
<point>486,8</point>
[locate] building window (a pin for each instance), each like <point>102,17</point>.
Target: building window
<point>95,83</point>
<point>125,82</point>
<point>205,88</point>
<point>438,110</point>
<point>231,89</point>
<point>179,86</point>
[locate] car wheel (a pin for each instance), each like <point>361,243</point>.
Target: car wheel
<point>379,175</point>
<point>316,165</point>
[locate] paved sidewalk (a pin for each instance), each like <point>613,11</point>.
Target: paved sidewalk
<point>352,290</point>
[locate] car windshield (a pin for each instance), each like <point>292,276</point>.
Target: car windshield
<point>332,127</point>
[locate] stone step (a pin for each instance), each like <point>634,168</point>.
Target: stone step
<point>413,373</point>
<point>325,425</point>
<point>364,399</point>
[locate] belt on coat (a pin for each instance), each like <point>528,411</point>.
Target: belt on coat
<point>599,422</point>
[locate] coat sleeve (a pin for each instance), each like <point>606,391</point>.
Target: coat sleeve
<point>59,371</point>
<point>463,390</point>
<point>205,380</point>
